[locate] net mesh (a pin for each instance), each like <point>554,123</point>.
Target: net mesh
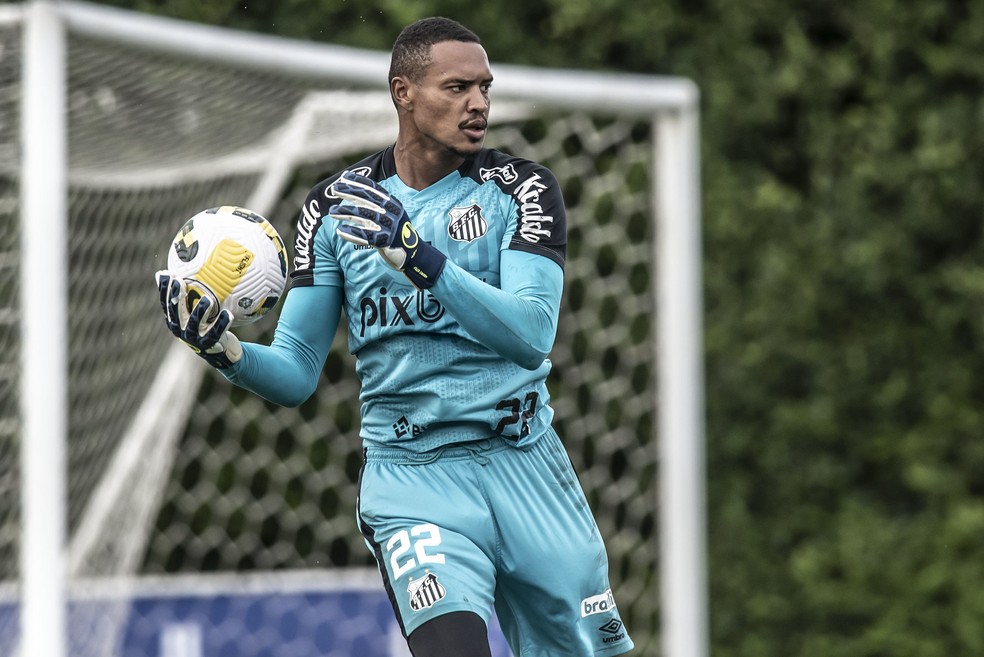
<point>250,487</point>
<point>10,38</point>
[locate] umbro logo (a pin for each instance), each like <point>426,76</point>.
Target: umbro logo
<point>612,626</point>
<point>613,629</point>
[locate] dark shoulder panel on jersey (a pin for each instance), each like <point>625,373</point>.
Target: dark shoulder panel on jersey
<point>377,166</point>
<point>541,223</point>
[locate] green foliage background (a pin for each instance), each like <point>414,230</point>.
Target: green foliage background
<point>843,160</point>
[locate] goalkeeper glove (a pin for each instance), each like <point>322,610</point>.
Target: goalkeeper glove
<point>208,336</point>
<point>371,217</point>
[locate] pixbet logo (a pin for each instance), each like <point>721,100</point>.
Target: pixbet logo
<point>597,604</point>
<point>395,309</point>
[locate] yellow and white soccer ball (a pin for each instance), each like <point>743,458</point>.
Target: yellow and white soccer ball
<point>235,257</point>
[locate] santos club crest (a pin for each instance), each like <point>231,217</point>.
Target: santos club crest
<point>425,592</point>
<point>467,224</point>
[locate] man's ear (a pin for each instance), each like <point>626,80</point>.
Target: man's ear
<point>402,92</point>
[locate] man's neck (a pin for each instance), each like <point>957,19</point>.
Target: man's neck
<point>419,169</point>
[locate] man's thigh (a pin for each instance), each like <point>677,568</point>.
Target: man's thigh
<point>431,533</point>
<point>553,595</point>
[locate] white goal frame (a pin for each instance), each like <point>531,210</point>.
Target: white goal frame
<point>671,103</point>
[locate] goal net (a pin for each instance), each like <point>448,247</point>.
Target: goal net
<point>179,489</point>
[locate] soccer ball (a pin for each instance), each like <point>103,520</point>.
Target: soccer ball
<point>233,256</point>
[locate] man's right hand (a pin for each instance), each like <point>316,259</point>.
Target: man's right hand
<point>209,338</point>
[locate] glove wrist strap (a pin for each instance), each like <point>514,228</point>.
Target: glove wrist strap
<point>424,266</point>
<point>223,354</point>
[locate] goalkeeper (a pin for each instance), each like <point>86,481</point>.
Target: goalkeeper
<point>447,260</point>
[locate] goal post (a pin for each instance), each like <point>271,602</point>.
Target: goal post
<point>133,460</point>
<point>44,331</point>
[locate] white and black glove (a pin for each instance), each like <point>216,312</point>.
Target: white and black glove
<point>200,327</point>
<point>369,216</point>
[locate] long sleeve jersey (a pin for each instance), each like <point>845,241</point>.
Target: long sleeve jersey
<point>462,361</point>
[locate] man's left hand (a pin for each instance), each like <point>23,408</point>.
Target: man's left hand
<point>369,216</point>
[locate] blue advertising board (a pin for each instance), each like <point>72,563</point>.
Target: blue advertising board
<point>293,615</point>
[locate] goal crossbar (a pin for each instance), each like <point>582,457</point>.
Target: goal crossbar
<point>625,92</point>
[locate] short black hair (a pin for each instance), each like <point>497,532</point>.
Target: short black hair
<point>411,50</point>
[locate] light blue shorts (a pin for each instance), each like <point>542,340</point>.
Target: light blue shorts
<point>487,523</point>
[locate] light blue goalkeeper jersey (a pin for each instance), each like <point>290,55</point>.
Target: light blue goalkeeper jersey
<point>425,381</point>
